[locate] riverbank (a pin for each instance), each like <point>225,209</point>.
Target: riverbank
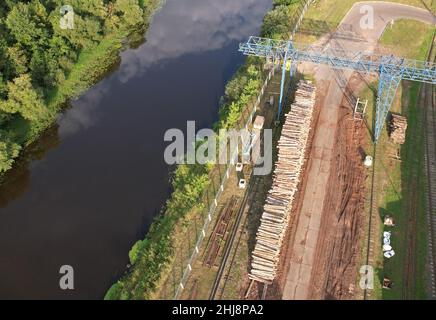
<point>92,64</point>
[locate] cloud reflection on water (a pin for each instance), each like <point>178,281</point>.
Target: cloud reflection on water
<point>183,32</point>
<point>193,30</point>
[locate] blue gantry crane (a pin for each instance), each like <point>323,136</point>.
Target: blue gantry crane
<point>391,69</point>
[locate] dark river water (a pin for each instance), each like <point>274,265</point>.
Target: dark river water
<point>91,186</point>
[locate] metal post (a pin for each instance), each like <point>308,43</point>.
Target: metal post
<point>282,87</point>
<point>283,81</point>
<point>293,68</point>
<point>387,88</point>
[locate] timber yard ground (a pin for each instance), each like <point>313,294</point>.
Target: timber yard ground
<point>337,223</point>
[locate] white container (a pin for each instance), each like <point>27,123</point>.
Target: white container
<point>239,167</point>
<point>271,101</point>
<point>242,184</point>
<point>389,254</point>
<point>387,247</point>
<point>368,161</point>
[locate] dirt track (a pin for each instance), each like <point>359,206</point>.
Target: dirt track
<point>325,242</point>
<point>337,253</point>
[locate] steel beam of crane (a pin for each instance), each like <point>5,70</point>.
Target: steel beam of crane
<point>390,68</point>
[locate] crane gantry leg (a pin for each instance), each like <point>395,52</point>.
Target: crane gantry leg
<point>283,81</point>
<point>390,68</point>
<point>292,70</point>
<point>282,88</point>
<point>387,88</point>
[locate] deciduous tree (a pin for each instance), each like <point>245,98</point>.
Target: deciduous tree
<point>23,99</point>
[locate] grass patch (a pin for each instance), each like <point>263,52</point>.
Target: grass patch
<point>414,36</point>
<point>398,179</point>
<point>324,16</point>
<point>334,11</point>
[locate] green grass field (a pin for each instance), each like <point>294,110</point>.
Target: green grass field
<point>334,11</point>
<point>415,39</point>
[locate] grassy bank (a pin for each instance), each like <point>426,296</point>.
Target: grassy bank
<point>400,183</point>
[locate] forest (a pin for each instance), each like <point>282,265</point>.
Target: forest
<point>43,64</point>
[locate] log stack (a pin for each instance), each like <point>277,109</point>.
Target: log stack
<point>286,178</point>
<point>397,129</point>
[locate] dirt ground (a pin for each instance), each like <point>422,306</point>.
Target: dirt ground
<point>336,267</point>
<point>326,267</point>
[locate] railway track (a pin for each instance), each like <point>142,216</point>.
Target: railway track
<point>225,266</point>
<point>430,161</point>
<point>428,102</point>
<point>372,231</point>
<point>411,201</point>
<point>429,126</point>
<point>231,239</point>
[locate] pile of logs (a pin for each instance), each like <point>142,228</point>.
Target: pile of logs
<point>397,129</point>
<point>291,156</point>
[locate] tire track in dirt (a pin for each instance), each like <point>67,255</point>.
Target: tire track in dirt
<point>334,273</point>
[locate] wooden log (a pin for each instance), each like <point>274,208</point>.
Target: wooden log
<point>291,150</point>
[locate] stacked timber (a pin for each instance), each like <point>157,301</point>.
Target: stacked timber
<point>397,129</point>
<point>280,198</point>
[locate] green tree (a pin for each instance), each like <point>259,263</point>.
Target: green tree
<point>277,23</point>
<point>26,23</point>
<point>3,87</point>
<point>18,59</point>
<point>277,3</point>
<point>8,152</point>
<point>125,13</point>
<point>135,251</point>
<point>23,99</point>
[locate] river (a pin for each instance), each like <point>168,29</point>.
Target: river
<point>91,186</point>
